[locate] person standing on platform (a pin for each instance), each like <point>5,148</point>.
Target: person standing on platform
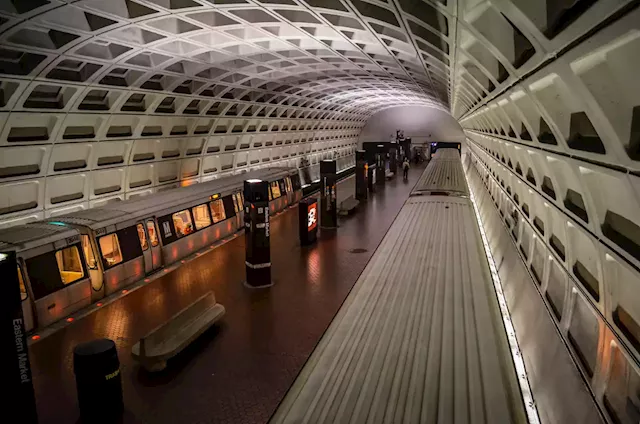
<point>405,169</point>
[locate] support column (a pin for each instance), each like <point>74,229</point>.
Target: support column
<point>329,213</point>
<point>256,233</point>
<point>362,175</point>
<point>16,376</point>
<point>371,174</point>
<point>393,157</point>
<point>381,164</point>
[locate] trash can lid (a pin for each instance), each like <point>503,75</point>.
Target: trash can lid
<point>93,352</point>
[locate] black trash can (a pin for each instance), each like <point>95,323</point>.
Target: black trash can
<point>98,381</point>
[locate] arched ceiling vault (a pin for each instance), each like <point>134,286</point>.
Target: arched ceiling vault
<point>109,99</point>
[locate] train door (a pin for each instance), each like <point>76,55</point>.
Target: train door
<point>291,195</point>
<point>27,304</point>
<point>95,273</point>
<point>151,249</point>
<point>237,206</point>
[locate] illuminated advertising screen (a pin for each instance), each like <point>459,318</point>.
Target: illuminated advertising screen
<point>312,216</point>
<point>308,215</point>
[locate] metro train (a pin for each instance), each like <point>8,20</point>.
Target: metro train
<point>448,146</point>
<point>68,262</point>
<point>430,259</point>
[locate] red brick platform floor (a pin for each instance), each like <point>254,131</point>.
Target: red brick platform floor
<point>238,371</point>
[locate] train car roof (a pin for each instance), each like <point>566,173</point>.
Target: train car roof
<point>148,205</point>
<point>444,173</point>
<point>23,237</point>
<point>446,153</point>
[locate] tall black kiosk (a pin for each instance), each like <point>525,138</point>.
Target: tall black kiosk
<point>16,376</point>
<point>256,233</point>
<point>329,213</point>
<point>362,177</point>
<point>393,157</point>
<point>381,164</point>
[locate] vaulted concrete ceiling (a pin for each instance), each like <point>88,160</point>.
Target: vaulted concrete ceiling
<point>109,99</point>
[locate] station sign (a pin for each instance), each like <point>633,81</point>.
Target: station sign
<point>16,378</point>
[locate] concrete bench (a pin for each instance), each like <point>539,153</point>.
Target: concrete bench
<point>170,338</point>
<point>388,174</point>
<point>348,205</point>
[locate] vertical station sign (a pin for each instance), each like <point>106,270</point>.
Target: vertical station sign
<point>308,220</point>
<point>329,212</point>
<point>256,233</point>
<point>362,175</point>
<point>16,376</point>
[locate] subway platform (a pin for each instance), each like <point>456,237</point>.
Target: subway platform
<point>240,369</point>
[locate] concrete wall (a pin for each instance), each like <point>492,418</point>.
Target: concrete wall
<point>423,124</point>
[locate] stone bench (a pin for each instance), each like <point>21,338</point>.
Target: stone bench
<point>348,205</point>
<point>388,174</point>
<point>170,338</point>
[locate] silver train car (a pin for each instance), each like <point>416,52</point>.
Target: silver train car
<point>419,337</point>
<point>443,176</point>
<point>68,262</point>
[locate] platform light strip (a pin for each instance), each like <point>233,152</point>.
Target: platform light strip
<point>523,380</point>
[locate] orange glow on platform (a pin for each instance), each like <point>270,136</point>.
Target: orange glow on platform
<point>70,319</point>
<point>99,304</point>
<point>146,280</point>
<point>125,291</point>
<point>166,270</point>
<point>35,337</point>
<point>182,261</point>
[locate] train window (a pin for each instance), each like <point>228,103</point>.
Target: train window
<point>242,197</point>
<point>142,236</point>
<point>23,288</point>
<point>88,252</point>
<point>110,248</point>
<point>69,264</point>
<point>217,211</point>
<point>153,235</point>
<point>583,333</point>
<point>201,216</point>
<point>182,223</point>
<point>44,275</point>
<point>622,395</point>
<point>275,189</point>
<point>270,195</point>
